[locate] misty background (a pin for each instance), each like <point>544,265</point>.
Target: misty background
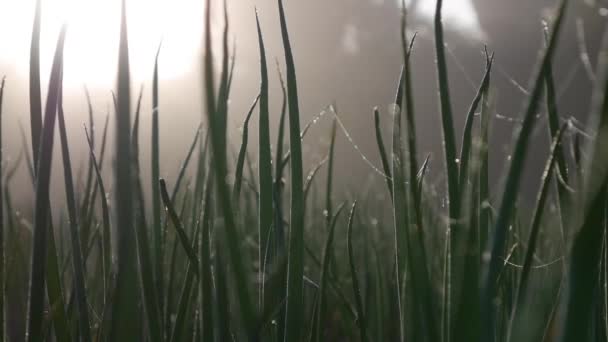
<point>347,53</point>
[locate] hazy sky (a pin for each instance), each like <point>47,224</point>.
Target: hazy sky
<point>347,52</point>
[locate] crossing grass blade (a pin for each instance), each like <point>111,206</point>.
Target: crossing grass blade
<point>327,255</point>
<point>586,251</point>
<point>146,266</point>
<point>124,309</point>
<point>186,293</point>
<point>42,236</point>
<point>361,318</point>
<point>216,118</point>
<point>179,227</point>
<point>240,164</point>
<point>330,172</point>
<point>77,259</point>
<point>264,159</point>
<point>205,281</point>
<point>521,294</point>
<point>383,157</point>
<point>295,264</point>
<point>106,251</point>
<point>521,139</point>
<point>467,138</point>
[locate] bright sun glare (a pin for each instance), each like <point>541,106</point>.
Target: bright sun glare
<point>91,45</point>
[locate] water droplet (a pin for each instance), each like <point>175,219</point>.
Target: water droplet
<point>457,161</point>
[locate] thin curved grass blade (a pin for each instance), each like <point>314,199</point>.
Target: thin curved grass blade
<point>240,164</point>
<point>42,251</point>
<point>496,244</point>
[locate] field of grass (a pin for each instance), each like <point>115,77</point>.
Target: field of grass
<point>236,253</point>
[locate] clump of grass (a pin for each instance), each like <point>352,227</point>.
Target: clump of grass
<point>411,276</point>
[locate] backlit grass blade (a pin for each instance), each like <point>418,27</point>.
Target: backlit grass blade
<point>447,120</point>
<point>421,279</point>
<point>521,294</point>
<point>216,119</point>
<point>155,173</point>
<point>383,157</point>
<point>146,266</point>
<point>106,252</point>
<point>361,318</point>
<point>327,255</point>
<point>511,189</point>
<point>586,252</point>
<point>295,265</point>
<point>205,280</point>
<point>41,234</point>
<point>467,138</point>
<point>264,159</point>
<point>125,306</point>
<point>238,178</point>
<point>330,173</point>
<point>311,177</point>
<point>185,163</point>
<point>77,259</point>
<point>28,157</point>
<point>35,93</point>
<point>279,238</point>
<point>179,227</point>
<point>186,293</point>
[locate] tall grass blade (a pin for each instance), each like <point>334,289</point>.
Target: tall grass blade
<point>327,256</point>
<point>496,244</point>
<point>295,264</point>
<point>42,234</point>
<point>77,259</point>
<point>264,160</point>
<point>521,294</point>
<point>586,253</point>
<point>125,309</point>
<point>106,251</point>
<point>361,318</point>
<point>35,92</point>
<point>155,173</point>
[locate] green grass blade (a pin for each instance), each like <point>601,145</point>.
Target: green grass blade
<point>383,157</point>
<point>467,138</point>
<point>125,309</point>
<point>264,159</point>
<point>327,253</point>
<point>155,173</point>
<point>35,93</point>
<point>42,234</point>
<point>205,281</point>
<point>330,173</point>
<point>106,238</point>
<point>77,259</point>
<point>361,319</point>
<point>295,264</point>
<point>240,164</point>
<point>179,227</point>
<point>146,266</point>
<point>186,293</point>
<point>522,288</point>
<point>216,119</point>
<point>586,253</point>
<point>498,241</point>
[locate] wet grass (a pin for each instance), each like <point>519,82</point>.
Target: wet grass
<point>271,257</point>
